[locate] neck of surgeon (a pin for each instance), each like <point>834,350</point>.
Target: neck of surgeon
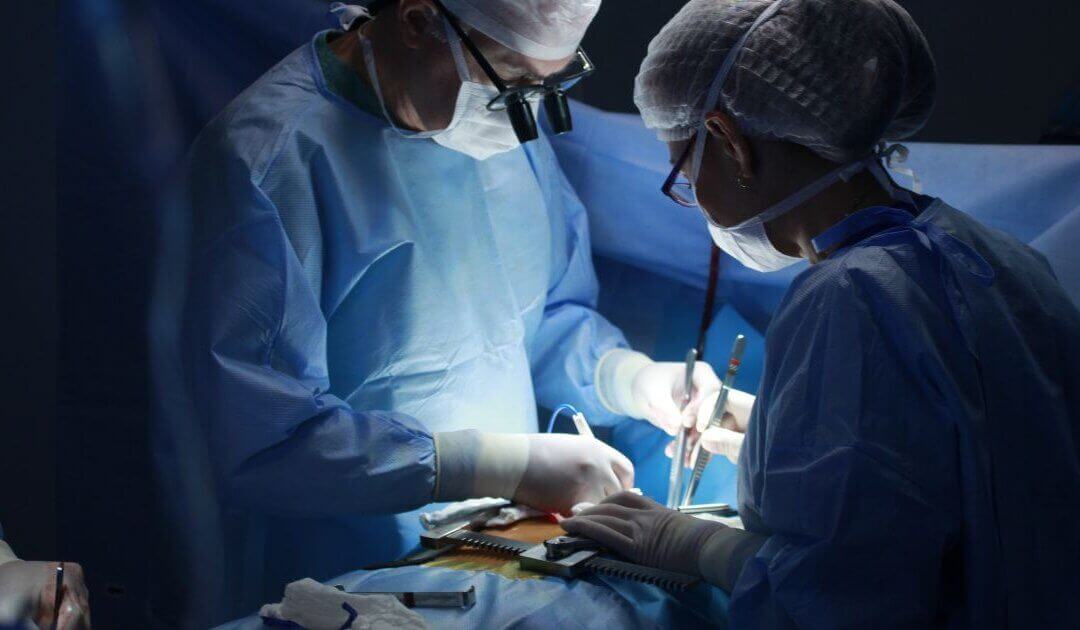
<point>415,74</point>
<point>795,230</point>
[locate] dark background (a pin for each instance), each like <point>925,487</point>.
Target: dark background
<point>1004,68</point>
<point>84,159</point>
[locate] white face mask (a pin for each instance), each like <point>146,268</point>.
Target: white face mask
<point>474,129</point>
<point>751,246</point>
<point>748,242</point>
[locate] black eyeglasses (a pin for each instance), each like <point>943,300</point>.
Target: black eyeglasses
<point>677,186</point>
<point>516,100</point>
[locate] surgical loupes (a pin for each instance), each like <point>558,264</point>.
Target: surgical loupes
<point>675,477</point>
<point>701,456</point>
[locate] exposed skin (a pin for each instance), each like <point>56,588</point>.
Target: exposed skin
<point>33,585</point>
<point>415,65</point>
<point>772,171</point>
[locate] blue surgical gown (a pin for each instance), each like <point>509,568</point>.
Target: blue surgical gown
<point>914,452</point>
<point>351,292</point>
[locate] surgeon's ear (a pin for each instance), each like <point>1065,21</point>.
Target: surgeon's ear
<point>732,142</point>
<point>417,20</point>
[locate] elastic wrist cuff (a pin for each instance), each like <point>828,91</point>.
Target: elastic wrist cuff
<point>471,464</point>
<point>725,553</point>
<point>615,372</point>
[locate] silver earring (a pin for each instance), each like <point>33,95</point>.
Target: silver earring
<point>742,183</point>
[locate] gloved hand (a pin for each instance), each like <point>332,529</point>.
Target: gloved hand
<point>630,383</point>
<point>547,471</point>
<point>726,439</point>
<point>565,470</point>
<point>645,532</point>
<point>28,591</point>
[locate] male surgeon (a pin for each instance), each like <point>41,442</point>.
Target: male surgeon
<point>385,282</point>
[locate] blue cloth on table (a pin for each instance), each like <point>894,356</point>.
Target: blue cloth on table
<point>592,602</point>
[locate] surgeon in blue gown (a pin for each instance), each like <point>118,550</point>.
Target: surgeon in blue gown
<point>912,459</point>
<point>381,285</point>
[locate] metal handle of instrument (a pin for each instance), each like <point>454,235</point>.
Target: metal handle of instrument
<point>675,477</point>
<point>701,457</point>
<point>719,509</point>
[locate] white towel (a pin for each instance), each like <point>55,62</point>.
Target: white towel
<point>317,606</point>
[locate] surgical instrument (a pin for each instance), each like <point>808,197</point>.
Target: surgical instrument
<point>719,509</point>
<point>431,599</point>
<point>564,556</point>
<point>58,597</point>
<point>675,478</point>
<point>475,521</point>
<point>581,424</point>
<point>701,456</point>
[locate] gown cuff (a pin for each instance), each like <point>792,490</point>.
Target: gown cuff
<point>470,464</point>
<point>615,372</point>
<point>725,553</point>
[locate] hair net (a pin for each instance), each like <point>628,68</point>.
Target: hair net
<point>836,76</point>
<point>541,29</point>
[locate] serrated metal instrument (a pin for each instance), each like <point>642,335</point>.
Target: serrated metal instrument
<point>563,556</point>
<point>675,477</point>
<point>701,456</point>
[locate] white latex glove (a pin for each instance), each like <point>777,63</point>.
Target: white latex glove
<point>720,441</point>
<point>736,415</point>
<point>548,471</point>
<point>632,384</point>
<point>565,470</point>
<point>726,439</point>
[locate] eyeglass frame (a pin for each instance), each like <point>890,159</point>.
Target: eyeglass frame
<point>673,176</point>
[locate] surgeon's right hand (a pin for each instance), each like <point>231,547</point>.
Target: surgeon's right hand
<point>565,470</point>
<point>550,472</point>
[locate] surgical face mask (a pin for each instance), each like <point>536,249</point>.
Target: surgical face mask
<point>751,246</point>
<point>748,242</point>
<point>474,130</point>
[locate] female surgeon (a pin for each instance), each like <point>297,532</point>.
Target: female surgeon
<point>913,455</point>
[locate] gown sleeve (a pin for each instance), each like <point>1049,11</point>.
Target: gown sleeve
<point>850,459</point>
<point>572,335</point>
<point>254,339</point>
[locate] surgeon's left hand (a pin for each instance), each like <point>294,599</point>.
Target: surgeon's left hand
<point>645,532</point>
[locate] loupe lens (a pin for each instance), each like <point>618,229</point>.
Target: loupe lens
<point>521,118</point>
<point>558,111</point>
